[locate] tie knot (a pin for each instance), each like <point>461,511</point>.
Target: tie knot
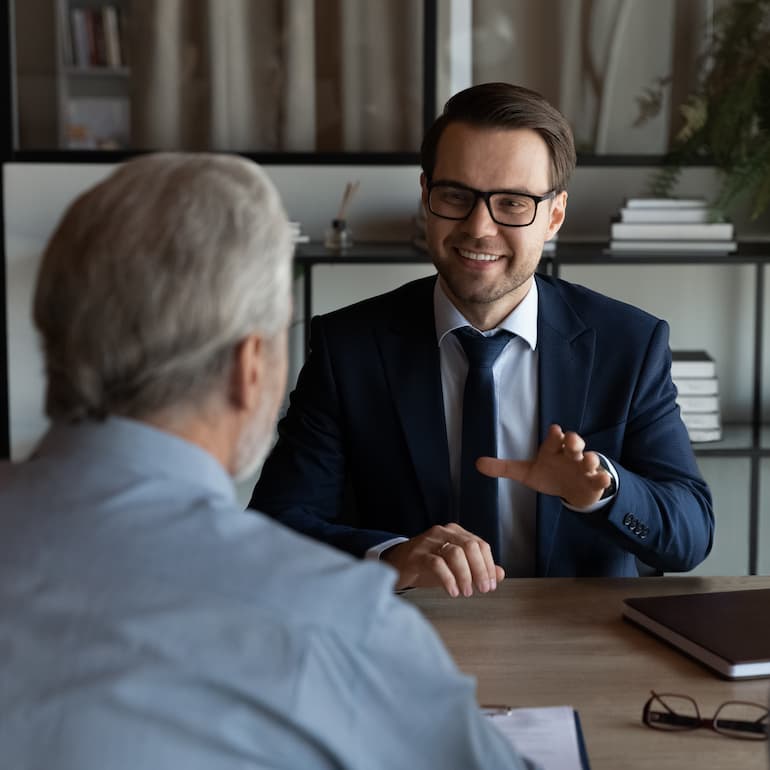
<point>481,351</point>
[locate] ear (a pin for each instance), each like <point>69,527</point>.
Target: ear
<point>424,188</point>
<point>557,214</point>
<point>248,372</point>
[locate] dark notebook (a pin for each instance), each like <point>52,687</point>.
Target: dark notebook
<point>729,631</point>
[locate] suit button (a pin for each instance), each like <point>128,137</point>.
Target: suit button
<point>628,519</point>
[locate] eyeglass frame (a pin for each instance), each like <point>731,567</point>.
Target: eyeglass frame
<point>485,195</point>
<point>697,721</point>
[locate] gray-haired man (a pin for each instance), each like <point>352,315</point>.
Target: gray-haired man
<point>145,620</point>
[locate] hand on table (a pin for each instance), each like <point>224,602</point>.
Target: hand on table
<point>447,556</point>
<point>561,468</point>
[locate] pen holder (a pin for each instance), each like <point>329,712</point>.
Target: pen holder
<point>339,236</point>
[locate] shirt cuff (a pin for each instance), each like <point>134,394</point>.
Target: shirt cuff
<point>376,551</point>
<point>599,504</point>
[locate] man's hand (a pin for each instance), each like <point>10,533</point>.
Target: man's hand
<point>448,556</point>
<point>561,468</point>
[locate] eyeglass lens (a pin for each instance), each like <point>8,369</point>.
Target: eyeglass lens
<point>735,719</point>
<point>506,208</point>
<point>741,720</point>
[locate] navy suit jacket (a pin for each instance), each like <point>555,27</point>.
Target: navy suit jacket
<point>362,452</point>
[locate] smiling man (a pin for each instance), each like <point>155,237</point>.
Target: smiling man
<point>402,394</point>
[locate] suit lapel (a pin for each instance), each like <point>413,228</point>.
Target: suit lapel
<point>410,356</point>
<point>566,353</point>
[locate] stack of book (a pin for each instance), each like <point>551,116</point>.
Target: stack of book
<point>671,225</point>
<point>695,376</point>
<point>296,233</point>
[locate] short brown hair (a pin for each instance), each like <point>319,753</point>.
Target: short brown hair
<point>506,106</point>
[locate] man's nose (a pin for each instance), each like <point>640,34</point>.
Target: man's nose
<point>479,222</point>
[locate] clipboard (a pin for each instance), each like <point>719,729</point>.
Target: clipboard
<point>551,736</point>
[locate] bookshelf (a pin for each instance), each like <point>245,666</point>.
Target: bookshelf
<point>745,443</point>
<point>92,74</point>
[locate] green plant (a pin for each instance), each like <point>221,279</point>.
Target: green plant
<point>727,118</point>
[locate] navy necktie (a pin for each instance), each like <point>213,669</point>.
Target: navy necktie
<point>478,493</point>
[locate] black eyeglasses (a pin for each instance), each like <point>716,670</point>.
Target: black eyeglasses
<point>734,718</point>
<point>506,207</point>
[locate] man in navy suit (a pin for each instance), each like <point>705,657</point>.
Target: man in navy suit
<point>369,456</point>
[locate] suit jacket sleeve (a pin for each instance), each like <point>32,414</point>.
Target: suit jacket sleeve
<point>663,510</point>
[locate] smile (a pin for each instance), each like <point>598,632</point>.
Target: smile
<point>477,257</point>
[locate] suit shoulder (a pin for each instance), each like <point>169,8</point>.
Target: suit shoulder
<point>596,309</point>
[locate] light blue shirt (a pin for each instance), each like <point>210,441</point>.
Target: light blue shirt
<point>146,621</point>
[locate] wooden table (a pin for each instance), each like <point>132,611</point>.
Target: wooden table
<point>554,641</point>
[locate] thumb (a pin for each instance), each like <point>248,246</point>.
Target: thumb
<point>518,470</point>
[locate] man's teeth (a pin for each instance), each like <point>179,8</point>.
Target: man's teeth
<point>478,257</point>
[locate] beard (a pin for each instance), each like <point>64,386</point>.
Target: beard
<point>253,445</point>
<point>481,292</point>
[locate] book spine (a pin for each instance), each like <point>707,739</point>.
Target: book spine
<point>704,434</point>
<point>673,246</point>
<point>707,231</point>
<point>647,215</point>
<point>99,48</point>
<point>669,203</point>
<point>698,403</point>
<point>65,37</point>
<point>79,37</point>
<point>692,370</point>
<point>697,420</point>
<point>111,36</point>
<point>697,386</point>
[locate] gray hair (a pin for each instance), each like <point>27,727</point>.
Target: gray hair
<point>151,279</point>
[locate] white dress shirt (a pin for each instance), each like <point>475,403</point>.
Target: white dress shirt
<point>515,377</point>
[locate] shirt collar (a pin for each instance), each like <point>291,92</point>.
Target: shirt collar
<point>139,448</point>
<point>521,321</point>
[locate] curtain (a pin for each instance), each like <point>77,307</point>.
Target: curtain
<point>276,75</point>
<point>594,59</point>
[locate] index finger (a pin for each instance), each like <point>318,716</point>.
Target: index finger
<point>518,470</point>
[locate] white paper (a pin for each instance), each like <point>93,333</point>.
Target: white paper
<point>546,735</point>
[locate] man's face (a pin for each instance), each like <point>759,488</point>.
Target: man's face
<point>487,289</point>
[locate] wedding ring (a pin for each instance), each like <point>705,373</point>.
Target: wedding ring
<point>444,547</point>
